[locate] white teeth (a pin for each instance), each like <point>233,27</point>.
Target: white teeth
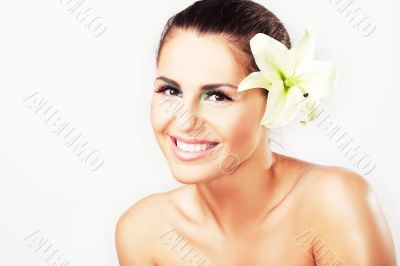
<point>192,147</point>
<point>197,148</point>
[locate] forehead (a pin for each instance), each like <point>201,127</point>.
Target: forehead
<point>189,57</point>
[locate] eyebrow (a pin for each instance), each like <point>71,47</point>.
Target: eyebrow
<point>202,88</point>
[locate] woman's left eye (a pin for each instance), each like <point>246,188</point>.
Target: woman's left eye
<point>217,96</point>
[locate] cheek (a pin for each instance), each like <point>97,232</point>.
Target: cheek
<point>154,116</point>
<point>239,127</point>
<point>162,108</point>
<point>244,126</point>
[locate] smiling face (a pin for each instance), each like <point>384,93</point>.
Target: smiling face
<point>204,127</point>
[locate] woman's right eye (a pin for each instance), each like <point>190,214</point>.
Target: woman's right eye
<point>168,90</point>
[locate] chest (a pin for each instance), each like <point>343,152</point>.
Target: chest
<point>278,244</point>
<point>282,238</point>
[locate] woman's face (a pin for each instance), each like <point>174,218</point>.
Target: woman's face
<point>204,129</point>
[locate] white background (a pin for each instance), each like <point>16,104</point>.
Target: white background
<point>103,86</point>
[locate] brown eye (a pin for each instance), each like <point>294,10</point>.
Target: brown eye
<point>218,96</point>
<point>168,90</point>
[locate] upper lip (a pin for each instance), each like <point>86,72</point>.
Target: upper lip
<point>193,141</point>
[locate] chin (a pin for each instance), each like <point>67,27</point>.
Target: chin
<point>195,174</point>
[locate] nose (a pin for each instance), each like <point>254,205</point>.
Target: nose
<point>188,122</point>
<point>187,119</point>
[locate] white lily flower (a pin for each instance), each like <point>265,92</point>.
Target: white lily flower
<point>292,79</point>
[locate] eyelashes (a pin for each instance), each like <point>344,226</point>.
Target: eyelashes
<point>220,96</point>
<point>162,89</point>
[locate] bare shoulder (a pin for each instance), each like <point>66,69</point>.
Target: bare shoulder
<point>340,189</point>
<point>143,207</point>
<point>329,180</point>
<point>135,231</point>
<point>348,218</point>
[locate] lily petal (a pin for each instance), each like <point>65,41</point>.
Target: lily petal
<point>303,51</point>
<point>277,85</point>
<point>319,78</point>
<point>254,80</point>
<point>271,57</point>
<point>281,107</point>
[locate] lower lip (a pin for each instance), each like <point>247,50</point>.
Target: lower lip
<point>189,155</point>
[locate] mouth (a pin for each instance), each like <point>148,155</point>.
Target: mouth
<point>191,149</point>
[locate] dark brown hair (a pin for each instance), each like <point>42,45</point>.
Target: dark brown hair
<point>235,20</point>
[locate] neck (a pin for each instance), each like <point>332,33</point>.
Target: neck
<point>240,200</point>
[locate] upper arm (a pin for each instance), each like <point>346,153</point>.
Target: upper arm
<point>351,225</point>
<point>133,237</point>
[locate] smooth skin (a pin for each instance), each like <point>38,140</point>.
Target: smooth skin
<point>265,208</point>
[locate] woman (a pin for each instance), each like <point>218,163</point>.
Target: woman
<point>241,204</point>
